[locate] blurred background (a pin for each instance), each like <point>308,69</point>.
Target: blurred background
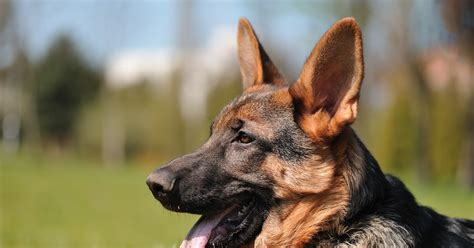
<point>96,94</point>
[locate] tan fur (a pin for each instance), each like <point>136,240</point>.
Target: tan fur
<point>334,67</point>
<point>316,125</point>
<point>315,194</point>
<point>323,179</point>
<point>246,112</point>
<point>282,97</point>
<point>255,122</point>
<point>225,119</point>
<point>255,65</point>
<point>314,198</point>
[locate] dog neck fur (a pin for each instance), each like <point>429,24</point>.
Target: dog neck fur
<point>341,182</point>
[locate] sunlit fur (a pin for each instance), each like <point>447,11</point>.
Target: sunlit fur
<point>314,181</point>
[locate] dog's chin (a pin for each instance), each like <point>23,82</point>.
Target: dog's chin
<point>235,226</point>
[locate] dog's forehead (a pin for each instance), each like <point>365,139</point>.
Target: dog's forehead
<point>266,107</point>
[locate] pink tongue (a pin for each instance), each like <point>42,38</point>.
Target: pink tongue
<point>199,234</point>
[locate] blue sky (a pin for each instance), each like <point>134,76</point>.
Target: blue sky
<point>99,27</point>
<point>102,28</point>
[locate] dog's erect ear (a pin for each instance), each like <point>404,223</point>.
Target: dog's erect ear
<point>255,65</point>
<point>327,91</point>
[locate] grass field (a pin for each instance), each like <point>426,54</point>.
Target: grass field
<point>69,203</point>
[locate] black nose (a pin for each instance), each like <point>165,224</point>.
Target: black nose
<point>161,181</point>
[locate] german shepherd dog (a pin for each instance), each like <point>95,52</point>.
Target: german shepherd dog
<point>283,167</point>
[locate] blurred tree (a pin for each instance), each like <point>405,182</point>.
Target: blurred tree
<point>447,136</point>
<point>63,82</point>
<point>6,12</point>
<point>407,54</point>
<point>140,122</point>
<point>400,126</point>
<point>17,113</point>
<point>221,95</point>
<point>9,90</point>
<point>185,34</point>
<point>458,16</point>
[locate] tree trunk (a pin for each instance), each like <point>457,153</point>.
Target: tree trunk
<point>423,167</point>
<point>466,170</point>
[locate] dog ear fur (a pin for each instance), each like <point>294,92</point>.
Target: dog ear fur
<point>255,65</point>
<point>327,92</point>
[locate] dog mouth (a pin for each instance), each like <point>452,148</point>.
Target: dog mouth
<point>231,227</point>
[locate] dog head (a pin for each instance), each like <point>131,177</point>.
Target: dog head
<point>271,152</point>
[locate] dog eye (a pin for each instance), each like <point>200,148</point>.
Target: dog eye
<point>244,138</point>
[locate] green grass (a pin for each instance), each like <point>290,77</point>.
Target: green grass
<point>71,203</point>
<point>446,198</point>
<point>62,204</point>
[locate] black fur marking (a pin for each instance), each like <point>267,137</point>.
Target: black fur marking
<point>290,145</point>
<point>381,213</point>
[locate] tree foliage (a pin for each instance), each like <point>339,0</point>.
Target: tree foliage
<point>63,81</point>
